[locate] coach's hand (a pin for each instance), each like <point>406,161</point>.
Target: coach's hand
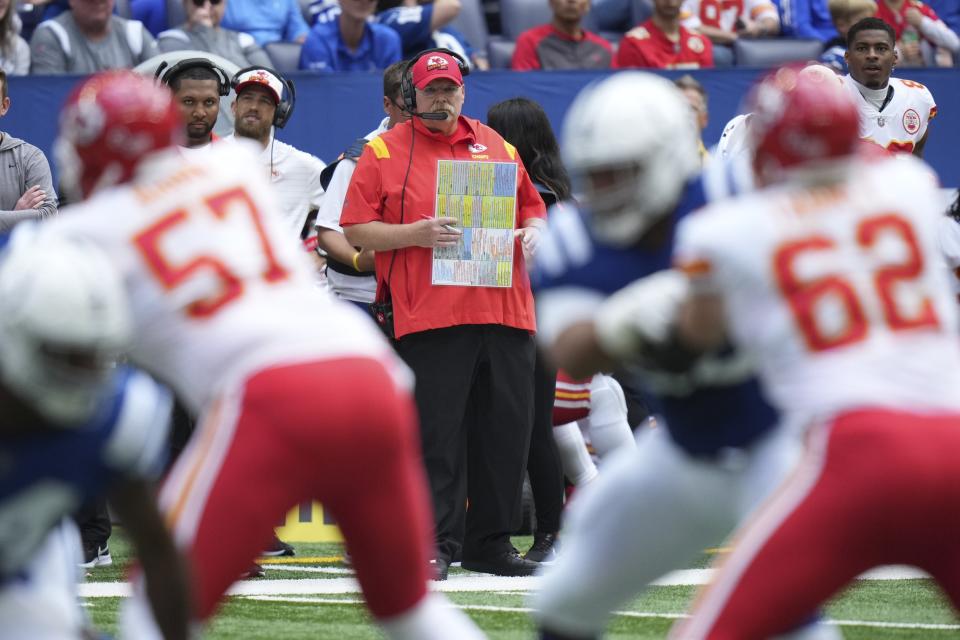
<point>435,232</point>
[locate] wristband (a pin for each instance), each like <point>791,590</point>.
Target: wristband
<point>356,264</point>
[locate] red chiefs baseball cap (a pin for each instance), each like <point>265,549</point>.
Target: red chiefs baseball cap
<point>434,66</point>
<point>260,77</point>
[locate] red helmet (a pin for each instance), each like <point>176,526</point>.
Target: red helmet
<point>800,117</point>
<point>108,124</point>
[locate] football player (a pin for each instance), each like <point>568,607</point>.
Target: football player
<point>73,426</point>
<point>299,396</point>
<point>630,144</point>
<point>894,113</point>
<point>830,278</point>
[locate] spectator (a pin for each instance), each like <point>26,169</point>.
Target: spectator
<point>202,32</point>
<point>696,95</point>
<point>949,12</point>
<point>468,340</point>
<point>915,24</point>
<point>350,274</point>
<point>524,124</point>
<point>89,38</point>
<point>563,43</point>
<point>264,101</point>
<point>351,42</point>
<point>152,13</point>
<point>663,43</point>
<point>724,22</point>
<point>426,26</point>
<point>844,13</point>
<point>267,20</point>
<point>806,19</point>
<point>197,85</point>
<point>14,50</point>
<point>26,187</point>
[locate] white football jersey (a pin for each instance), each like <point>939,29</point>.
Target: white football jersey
<point>950,247</point>
<point>218,289</point>
<point>838,293</point>
<point>904,119</point>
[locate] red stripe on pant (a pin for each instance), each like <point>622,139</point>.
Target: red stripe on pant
<point>886,494</point>
<point>337,431</point>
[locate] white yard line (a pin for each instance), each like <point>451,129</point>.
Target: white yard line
<point>628,614</point>
<point>456,583</point>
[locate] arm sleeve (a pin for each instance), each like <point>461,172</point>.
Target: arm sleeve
<point>801,24</point>
<point>412,24</point>
<point>363,202</point>
<point>692,256</point>
<point>295,26</point>
<point>315,56</point>
<point>936,31</point>
<point>525,54</point>
<point>629,54</point>
<point>328,217</point>
<point>36,171</point>
<point>317,194</point>
<point>46,56</point>
<point>253,52</point>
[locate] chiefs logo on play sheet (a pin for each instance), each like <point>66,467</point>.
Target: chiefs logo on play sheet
<point>436,62</point>
<point>911,121</point>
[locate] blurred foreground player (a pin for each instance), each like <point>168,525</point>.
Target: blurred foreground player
<point>73,427</point>
<point>299,396</point>
<point>830,277</point>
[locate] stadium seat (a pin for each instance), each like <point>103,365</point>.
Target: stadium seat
<point>284,55</point>
<point>176,15</point>
<point>774,51</point>
<point>500,52</point>
<point>472,24</point>
<point>516,16</point>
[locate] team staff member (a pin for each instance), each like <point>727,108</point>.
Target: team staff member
<point>470,347</point>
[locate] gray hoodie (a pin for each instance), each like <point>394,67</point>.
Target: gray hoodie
<point>23,165</point>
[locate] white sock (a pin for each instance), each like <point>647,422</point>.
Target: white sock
<point>433,618</point>
<point>577,464</point>
<point>608,425</point>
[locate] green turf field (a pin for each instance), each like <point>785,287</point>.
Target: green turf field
<point>872,609</point>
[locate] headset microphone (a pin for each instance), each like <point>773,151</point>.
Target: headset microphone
<point>431,115</point>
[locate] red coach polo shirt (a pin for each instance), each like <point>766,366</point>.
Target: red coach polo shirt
<point>648,46</point>
<point>375,195</point>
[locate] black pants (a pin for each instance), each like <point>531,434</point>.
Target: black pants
<point>474,392</point>
<point>93,520</point>
<point>543,464</point>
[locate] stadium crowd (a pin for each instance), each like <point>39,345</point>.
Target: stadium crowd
<point>450,305</point>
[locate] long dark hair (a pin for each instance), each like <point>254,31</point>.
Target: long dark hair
<point>524,124</point>
<point>954,211</point>
<point>8,32</point>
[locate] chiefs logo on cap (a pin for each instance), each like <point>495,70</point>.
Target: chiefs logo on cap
<point>437,62</point>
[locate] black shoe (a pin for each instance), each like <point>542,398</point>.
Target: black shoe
<point>543,549</point>
<point>505,563</point>
<point>439,568</point>
<point>279,548</point>
<point>253,571</point>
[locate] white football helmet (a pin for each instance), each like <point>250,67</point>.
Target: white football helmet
<point>64,322</point>
<point>630,145</point>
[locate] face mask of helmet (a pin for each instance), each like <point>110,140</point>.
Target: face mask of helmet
<point>64,322</point>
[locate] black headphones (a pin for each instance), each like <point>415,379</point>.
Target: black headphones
<point>167,74</point>
<point>408,91</point>
<point>285,107</point>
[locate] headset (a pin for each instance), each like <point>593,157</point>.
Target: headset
<point>166,73</point>
<point>408,91</point>
<point>285,107</point>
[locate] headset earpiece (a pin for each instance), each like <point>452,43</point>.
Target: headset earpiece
<point>285,107</point>
<point>166,73</point>
<point>408,91</point>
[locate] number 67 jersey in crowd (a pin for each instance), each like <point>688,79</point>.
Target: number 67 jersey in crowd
<point>839,292</point>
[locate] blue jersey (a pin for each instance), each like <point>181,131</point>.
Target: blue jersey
<point>49,472</point>
<point>715,405</point>
<point>412,24</point>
